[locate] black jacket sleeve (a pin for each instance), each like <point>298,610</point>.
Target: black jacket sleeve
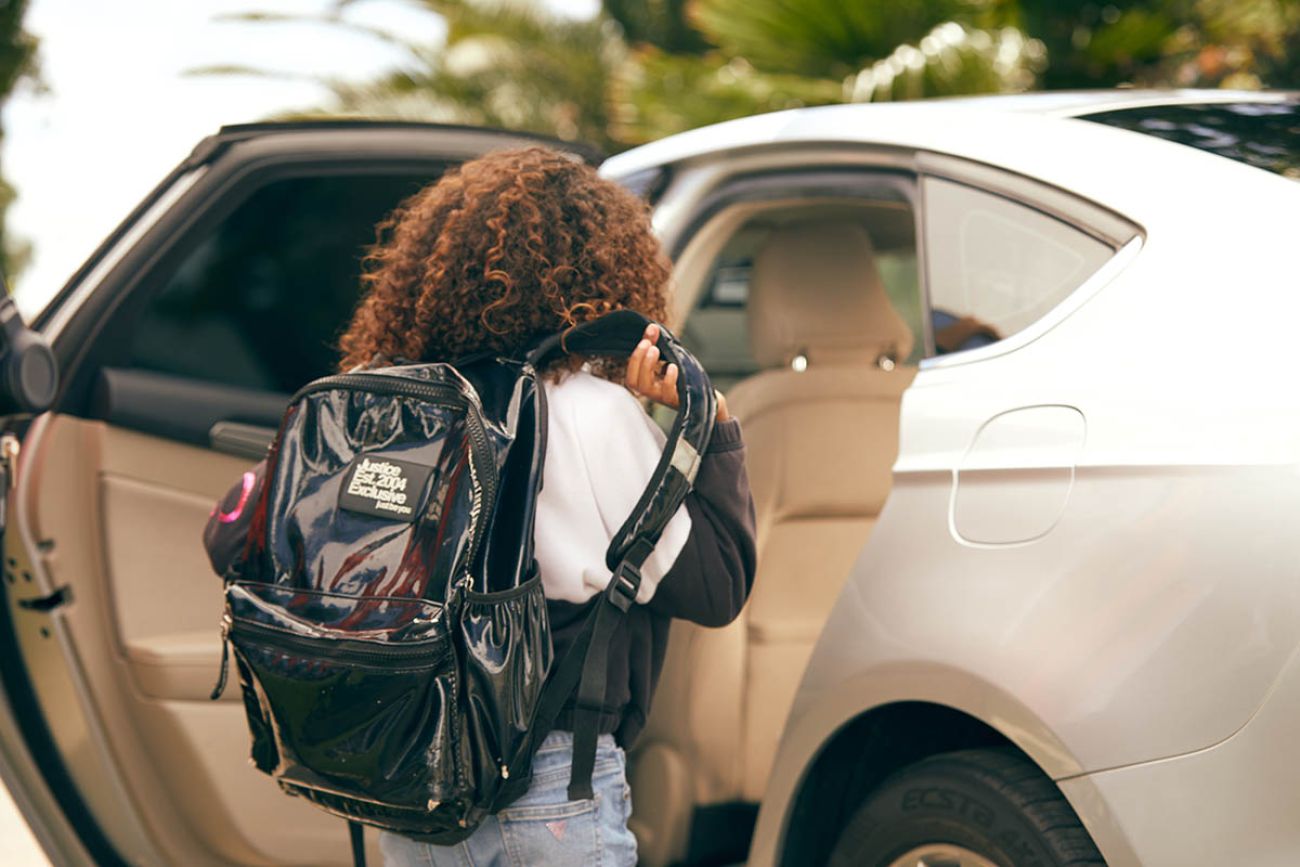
<point>712,576</point>
<point>227,527</point>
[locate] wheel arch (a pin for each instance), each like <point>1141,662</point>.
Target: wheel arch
<point>861,754</point>
<point>846,735</point>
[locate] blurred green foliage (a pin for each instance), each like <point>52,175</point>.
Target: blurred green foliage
<point>17,61</point>
<point>821,38</point>
<point>642,69</point>
<point>1178,43</point>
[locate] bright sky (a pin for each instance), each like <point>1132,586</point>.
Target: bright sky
<point>120,114</point>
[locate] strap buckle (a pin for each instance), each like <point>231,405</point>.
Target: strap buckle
<point>623,586</point>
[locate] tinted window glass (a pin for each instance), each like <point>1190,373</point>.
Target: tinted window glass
<point>260,301</point>
<point>1263,135</point>
<point>996,266</point>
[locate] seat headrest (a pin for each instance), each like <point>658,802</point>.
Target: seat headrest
<point>815,291</point>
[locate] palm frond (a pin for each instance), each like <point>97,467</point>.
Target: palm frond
<point>240,69</point>
<point>950,60</point>
<point>823,38</point>
<point>503,64</point>
<point>655,94</point>
<point>333,19</point>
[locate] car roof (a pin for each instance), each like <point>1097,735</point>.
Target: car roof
<point>1039,135</point>
<point>1073,103</point>
<point>857,121</point>
<point>229,134</point>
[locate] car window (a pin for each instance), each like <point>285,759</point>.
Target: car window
<point>260,300</point>
<point>996,266</point>
<point>1265,135</point>
<point>717,329</point>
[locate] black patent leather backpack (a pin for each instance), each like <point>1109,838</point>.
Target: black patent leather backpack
<point>386,618</point>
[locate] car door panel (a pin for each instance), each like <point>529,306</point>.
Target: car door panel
<point>146,623</point>
<point>237,814</point>
<point>164,591</point>
<point>189,410</point>
<point>117,484</point>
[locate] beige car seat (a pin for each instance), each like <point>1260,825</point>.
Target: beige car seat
<point>821,433</point>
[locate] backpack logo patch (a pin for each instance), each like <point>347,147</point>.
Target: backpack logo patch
<point>383,487</point>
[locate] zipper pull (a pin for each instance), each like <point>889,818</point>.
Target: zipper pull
<point>462,586</point>
<point>225,658</point>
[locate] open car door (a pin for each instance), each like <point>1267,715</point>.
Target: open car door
<point>179,343</point>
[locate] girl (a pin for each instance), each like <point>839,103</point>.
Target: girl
<point>498,253</point>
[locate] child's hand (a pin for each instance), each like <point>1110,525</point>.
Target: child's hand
<point>645,377</point>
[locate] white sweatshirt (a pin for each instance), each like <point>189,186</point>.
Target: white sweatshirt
<point>601,451</point>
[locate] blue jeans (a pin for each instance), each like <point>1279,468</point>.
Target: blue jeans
<point>543,827</point>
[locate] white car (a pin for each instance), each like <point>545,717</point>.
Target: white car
<point>1016,376</point>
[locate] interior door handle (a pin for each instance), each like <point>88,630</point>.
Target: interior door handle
<point>244,440</point>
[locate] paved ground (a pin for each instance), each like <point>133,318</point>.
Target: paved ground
<point>18,848</point>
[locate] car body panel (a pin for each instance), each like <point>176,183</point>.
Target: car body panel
<point>1156,613</point>
<point>1232,803</point>
<point>1126,635</point>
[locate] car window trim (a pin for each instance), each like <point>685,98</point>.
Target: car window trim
<point>173,236</point>
<point>307,139</point>
<point>861,181</point>
<point>696,179</point>
<point>1091,218</point>
<point>236,155</point>
<point>1102,224</point>
<point>810,183</point>
<point>1081,295</point>
<point>56,315</point>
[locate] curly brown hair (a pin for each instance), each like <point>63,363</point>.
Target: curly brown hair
<point>500,251</point>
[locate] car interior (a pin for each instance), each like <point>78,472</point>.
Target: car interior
<point>808,314</point>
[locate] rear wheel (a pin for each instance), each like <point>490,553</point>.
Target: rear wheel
<point>972,808</point>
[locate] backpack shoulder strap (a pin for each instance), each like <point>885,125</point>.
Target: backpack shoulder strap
<point>585,666</point>
<point>616,335</point>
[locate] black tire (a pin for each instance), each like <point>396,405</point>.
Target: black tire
<point>993,802</point>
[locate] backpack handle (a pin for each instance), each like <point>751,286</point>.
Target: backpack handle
<point>616,335</point>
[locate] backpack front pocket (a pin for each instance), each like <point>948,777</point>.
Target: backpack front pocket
<point>371,719</point>
<point>356,719</point>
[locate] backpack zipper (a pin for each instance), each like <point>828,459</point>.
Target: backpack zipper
<point>341,650</point>
<point>426,652</point>
<point>384,384</point>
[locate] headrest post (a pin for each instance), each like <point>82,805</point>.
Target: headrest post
<point>816,292</point>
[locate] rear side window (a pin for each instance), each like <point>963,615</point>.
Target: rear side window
<point>1259,134</point>
<point>995,266</point>
<point>260,300</point>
